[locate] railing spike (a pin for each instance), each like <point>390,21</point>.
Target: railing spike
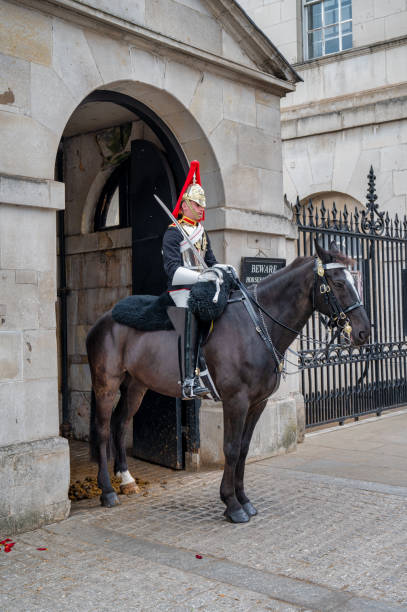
<point>297,211</point>
<point>371,224</point>
<point>323,214</point>
<point>334,215</point>
<point>396,225</point>
<point>387,224</point>
<point>310,208</point>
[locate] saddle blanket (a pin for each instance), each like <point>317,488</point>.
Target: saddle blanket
<point>144,312</point>
<point>149,312</point>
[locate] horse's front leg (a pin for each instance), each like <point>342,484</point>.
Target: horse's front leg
<point>234,416</point>
<point>251,420</point>
<point>131,396</point>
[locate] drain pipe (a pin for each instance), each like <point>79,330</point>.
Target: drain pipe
<point>66,427</point>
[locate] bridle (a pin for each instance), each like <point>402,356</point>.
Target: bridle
<point>338,316</point>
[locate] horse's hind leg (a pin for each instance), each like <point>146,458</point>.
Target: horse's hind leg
<point>251,420</point>
<point>131,396</point>
<point>103,399</point>
<point>234,416</point>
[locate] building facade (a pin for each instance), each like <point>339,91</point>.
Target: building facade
<point>85,90</point>
<point>350,111</point>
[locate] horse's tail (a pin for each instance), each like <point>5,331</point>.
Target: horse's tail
<point>94,436</point>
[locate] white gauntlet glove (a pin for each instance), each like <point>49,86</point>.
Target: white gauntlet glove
<point>185,276</point>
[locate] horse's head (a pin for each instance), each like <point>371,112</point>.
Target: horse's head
<point>336,295</point>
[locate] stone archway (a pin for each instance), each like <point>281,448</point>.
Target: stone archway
<point>98,264</point>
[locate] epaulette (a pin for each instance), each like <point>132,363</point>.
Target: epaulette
<point>172,225</point>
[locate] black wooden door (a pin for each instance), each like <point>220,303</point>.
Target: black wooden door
<point>158,423</point>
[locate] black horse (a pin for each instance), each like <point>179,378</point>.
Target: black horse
<point>243,368</point>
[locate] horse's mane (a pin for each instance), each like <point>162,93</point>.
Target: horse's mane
<point>275,276</point>
<point>337,256</point>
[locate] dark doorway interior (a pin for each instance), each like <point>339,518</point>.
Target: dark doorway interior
<point>157,424</point>
<point>165,429</point>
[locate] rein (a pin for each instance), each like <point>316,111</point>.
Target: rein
<point>338,316</point>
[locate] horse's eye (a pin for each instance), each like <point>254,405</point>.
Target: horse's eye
<point>339,284</point>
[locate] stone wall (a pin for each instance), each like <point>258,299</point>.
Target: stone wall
<point>33,459</point>
<point>279,20</point>
<point>332,133</point>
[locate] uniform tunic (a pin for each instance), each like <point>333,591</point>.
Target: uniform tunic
<point>176,253</point>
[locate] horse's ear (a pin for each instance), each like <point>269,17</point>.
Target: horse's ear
<point>333,247</point>
<point>337,255</point>
<point>324,255</point>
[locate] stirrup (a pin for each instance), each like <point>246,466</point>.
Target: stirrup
<point>191,388</point>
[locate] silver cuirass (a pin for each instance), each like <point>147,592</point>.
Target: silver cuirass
<point>189,258</point>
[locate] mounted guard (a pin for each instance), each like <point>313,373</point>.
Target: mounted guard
<point>186,252</point>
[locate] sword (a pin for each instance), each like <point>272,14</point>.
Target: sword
<point>184,234</point>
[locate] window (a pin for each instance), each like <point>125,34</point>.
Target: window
<point>328,27</point>
<point>112,209</point>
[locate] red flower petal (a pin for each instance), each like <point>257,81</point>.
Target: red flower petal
<point>198,556</point>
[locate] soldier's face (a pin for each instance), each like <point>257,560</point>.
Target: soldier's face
<point>192,210</point>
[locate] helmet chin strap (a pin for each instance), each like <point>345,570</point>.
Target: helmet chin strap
<point>191,209</point>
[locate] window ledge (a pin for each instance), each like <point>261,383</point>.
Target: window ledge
<point>363,50</point>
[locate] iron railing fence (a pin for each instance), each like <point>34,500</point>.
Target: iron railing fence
<point>344,382</point>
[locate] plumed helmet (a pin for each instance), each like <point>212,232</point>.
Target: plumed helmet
<point>192,189</point>
<point>195,193</point>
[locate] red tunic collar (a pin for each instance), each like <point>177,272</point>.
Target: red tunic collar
<point>189,221</point>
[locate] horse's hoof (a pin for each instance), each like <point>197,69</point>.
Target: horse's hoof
<point>237,516</point>
<point>249,509</point>
<point>129,489</point>
<point>108,500</point>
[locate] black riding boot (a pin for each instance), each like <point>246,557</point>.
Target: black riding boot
<point>191,385</point>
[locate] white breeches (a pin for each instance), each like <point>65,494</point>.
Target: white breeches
<point>180,297</point>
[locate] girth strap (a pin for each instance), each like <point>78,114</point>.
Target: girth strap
<point>246,299</point>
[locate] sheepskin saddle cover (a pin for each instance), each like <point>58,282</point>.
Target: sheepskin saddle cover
<point>144,312</point>
<point>208,299</point>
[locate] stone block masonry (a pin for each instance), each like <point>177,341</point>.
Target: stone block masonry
<point>35,476</point>
<point>34,469</point>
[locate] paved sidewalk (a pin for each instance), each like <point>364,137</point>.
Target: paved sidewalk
<point>331,534</point>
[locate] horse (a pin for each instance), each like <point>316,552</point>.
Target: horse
<point>244,369</point>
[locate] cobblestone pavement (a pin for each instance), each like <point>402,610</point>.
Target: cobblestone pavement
<point>319,543</point>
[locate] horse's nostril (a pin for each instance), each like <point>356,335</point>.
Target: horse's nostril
<point>363,335</point>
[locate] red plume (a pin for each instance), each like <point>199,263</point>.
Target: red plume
<point>193,169</point>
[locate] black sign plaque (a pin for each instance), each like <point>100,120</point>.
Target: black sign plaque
<point>254,269</point>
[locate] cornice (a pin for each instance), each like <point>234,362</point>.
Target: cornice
<point>225,218</point>
<point>137,35</point>
<point>351,101</point>
<point>370,108</point>
<point>26,191</point>
<point>252,39</point>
